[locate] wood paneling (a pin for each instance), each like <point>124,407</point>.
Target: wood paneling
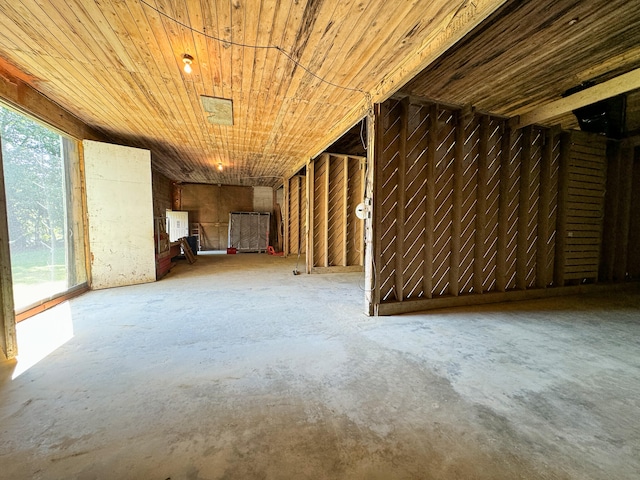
<point>529,53</point>
<point>117,66</point>
<point>210,205</point>
<point>585,204</point>
<point>162,193</point>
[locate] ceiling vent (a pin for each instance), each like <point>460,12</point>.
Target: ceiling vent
<point>220,110</point>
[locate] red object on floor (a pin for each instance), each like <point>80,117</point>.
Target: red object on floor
<point>231,251</point>
<point>271,251</point>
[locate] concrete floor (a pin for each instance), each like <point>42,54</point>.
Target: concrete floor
<point>234,368</point>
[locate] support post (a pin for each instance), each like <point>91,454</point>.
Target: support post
<point>309,213</point>
<point>503,212</point>
<point>458,183</point>
<point>372,289</point>
<point>8,338</point>
<point>523,210</point>
<point>432,144</point>
<point>400,205</point>
<point>481,221</point>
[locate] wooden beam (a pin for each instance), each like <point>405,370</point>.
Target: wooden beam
<point>432,142</point>
<point>542,252</point>
<point>616,86</point>
<point>523,210</point>
<point>362,195</point>
<point>345,206</point>
<point>561,218</point>
<point>408,306</point>
<point>8,338</point>
<point>286,213</point>
<point>461,19</point>
<point>481,221</point>
<point>400,205</point>
<point>456,215</point>
<point>377,201</point>
<point>370,252</point>
<point>503,212</point>
<point>26,99</point>
<point>325,227</point>
<point>309,213</point>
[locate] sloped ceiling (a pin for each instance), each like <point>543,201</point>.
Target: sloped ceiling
<point>299,73</point>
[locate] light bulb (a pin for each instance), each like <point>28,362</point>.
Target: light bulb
<point>219,166</point>
<point>187,59</point>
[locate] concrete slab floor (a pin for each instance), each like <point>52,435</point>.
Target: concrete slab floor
<point>234,368</point>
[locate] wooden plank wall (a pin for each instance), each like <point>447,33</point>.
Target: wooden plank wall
<point>465,206</point>
<point>210,205</point>
<point>335,234</point>
<point>583,195</point>
<point>296,215</point>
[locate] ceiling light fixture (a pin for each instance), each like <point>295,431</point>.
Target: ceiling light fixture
<point>188,60</point>
<point>219,166</point>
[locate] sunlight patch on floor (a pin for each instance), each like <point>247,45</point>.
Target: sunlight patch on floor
<point>41,335</point>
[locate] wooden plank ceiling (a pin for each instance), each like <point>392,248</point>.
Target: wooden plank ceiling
<point>117,65</point>
<point>531,52</point>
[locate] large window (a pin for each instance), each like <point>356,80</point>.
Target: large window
<point>43,193</point>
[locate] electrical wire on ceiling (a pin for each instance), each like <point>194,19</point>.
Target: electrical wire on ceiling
<point>367,95</point>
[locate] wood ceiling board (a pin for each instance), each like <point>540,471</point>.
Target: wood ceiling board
<point>118,67</point>
<point>602,91</point>
<point>528,54</point>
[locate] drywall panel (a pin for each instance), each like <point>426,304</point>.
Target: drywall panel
<point>120,212</point>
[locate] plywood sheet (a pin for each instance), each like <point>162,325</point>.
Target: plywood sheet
<point>120,211</point>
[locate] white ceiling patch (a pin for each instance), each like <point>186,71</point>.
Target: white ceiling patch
<point>221,109</point>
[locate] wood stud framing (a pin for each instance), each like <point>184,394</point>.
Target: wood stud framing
<point>335,237</point>
<point>296,201</point>
<point>464,206</point>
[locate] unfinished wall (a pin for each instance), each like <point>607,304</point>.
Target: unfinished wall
<point>620,253</point>
<point>296,215</point>
<point>162,193</point>
<point>210,205</point>
<point>465,208</point>
<point>335,236</point>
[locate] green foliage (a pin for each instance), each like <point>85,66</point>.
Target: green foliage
<point>34,181</point>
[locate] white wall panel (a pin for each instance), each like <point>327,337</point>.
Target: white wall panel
<point>120,211</point>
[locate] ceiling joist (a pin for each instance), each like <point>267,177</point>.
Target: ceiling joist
<point>616,86</point>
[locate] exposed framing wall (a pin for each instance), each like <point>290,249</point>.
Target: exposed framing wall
<point>465,209</point>
<point>335,239</point>
<point>296,215</point>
